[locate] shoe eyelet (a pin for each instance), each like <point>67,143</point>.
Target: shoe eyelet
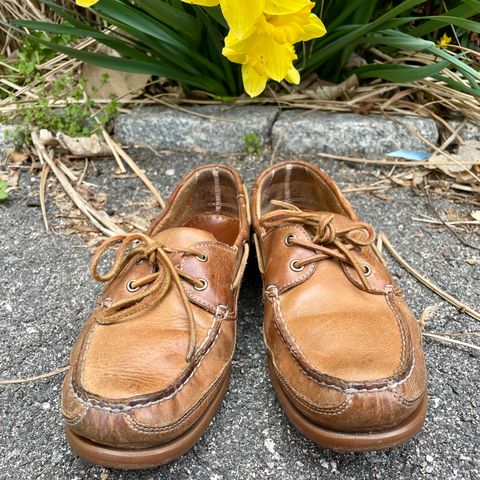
<point>293,265</point>
<point>202,258</point>
<point>203,286</point>
<point>367,270</point>
<point>288,240</point>
<point>130,288</point>
<point>140,261</point>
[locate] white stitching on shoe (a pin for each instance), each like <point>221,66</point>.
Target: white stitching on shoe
<point>85,350</point>
<point>152,429</point>
<point>326,410</point>
<point>388,292</point>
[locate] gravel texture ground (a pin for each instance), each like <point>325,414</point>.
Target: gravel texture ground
<point>47,293</point>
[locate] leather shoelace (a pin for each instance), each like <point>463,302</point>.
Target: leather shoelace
<point>163,273</point>
<point>328,241</point>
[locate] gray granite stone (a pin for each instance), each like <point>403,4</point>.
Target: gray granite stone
<point>302,133</point>
<point>469,132</point>
<point>216,129</point>
<point>5,144</point>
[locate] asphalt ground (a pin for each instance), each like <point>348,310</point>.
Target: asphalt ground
<point>46,293</point>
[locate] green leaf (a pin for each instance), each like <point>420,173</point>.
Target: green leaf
<point>137,66</point>
<point>215,44</point>
<point>400,73</point>
<point>468,9</point>
<point>65,14</point>
<point>354,36</point>
<point>175,18</point>
<point>389,38</point>
<point>119,45</point>
<point>461,87</point>
<point>136,19</point>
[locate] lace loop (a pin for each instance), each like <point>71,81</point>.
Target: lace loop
<point>328,241</point>
<point>164,272</point>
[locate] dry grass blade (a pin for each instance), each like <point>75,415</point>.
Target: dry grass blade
<point>53,373</point>
<point>130,162</point>
<point>462,240</point>
<point>43,188</point>
<point>116,156</point>
<point>399,163</point>
<point>99,220</point>
<point>446,296</point>
<point>444,339</point>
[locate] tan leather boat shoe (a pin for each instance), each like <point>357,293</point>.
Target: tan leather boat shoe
<point>345,352</point>
<point>152,363</point>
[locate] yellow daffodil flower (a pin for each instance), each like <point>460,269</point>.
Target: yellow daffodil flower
<point>262,37</point>
<point>268,52</point>
<point>87,3</point>
<point>241,15</point>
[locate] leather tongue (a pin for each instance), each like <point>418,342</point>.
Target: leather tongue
<point>338,222</point>
<point>183,237</point>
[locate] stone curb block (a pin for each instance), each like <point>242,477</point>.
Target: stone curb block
<point>297,133</point>
<point>302,133</point>
<point>223,132</point>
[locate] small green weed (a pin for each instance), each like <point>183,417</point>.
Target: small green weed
<point>253,144</point>
<point>26,66</point>
<point>3,190</point>
<point>72,119</point>
<point>33,54</point>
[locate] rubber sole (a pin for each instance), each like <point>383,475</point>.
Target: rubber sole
<point>349,442</point>
<point>151,457</point>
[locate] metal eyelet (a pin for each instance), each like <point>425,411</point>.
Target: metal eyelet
<point>140,261</point>
<point>130,288</point>
<point>202,258</point>
<point>288,240</point>
<point>367,271</point>
<point>203,286</point>
<point>293,265</point>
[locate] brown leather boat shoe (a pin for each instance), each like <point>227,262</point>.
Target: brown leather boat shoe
<point>152,363</point>
<point>345,351</point>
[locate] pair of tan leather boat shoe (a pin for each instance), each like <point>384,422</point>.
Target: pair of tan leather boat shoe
<point>152,363</point>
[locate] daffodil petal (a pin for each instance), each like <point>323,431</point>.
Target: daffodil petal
<point>236,49</point>
<point>87,3</point>
<point>314,29</point>
<point>203,3</point>
<point>284,7</point>
<point>253,83</point>
<point>241,15</point>
<point>293,76</point>
<point>276,58</point>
